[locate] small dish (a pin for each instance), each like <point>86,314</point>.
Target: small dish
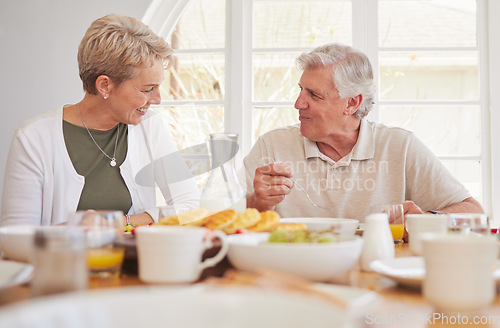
<point>410,271</point>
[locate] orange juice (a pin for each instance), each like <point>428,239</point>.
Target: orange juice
<point>397,231</point>
<point>105,261</point>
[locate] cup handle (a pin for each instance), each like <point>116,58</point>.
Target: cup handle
<point>209,262</point>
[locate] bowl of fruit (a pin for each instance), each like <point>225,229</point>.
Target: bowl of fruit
<point>314,255</point>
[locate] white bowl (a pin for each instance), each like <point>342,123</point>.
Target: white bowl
<point>314,261</point>
<point>16,242</point>
<point>340,226</point>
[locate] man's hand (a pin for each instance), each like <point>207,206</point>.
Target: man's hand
<point>271,185</point>
<point>410,207</point>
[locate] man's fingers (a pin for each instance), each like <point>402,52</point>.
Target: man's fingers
<point>279,169</point>
<point>276,180</point>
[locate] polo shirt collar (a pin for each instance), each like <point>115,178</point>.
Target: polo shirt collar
<point>362,150</point>
<point>365,146</point>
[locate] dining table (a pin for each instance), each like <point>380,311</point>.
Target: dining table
<point>398,305</point>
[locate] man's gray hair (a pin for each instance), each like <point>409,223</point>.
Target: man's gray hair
<point>351,70</point>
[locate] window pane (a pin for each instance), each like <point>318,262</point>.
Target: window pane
<point>195,77</point>
<point>426,23</point>
<point>460,136</point>
<point>281,24</point>
<point>275,77</point>
<point>201,26</point>
<point>191,125</point>
<point>429,75</point>
<point>469,174</point>
<point>264,119</point>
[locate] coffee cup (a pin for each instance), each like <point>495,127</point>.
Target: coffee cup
<point>459,271</point>
<point>173,254</point>
<point>417,224</point>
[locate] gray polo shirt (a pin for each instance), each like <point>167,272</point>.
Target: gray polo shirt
<point>386,165</point>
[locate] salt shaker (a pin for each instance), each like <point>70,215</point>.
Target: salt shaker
<point>59,260</point>
<point>378,243</point>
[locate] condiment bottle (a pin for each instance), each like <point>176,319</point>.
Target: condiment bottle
<point>378,243</point>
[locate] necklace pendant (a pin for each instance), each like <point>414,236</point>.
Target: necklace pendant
<point>113,162</point>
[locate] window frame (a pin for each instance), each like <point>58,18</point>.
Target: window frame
<point>163,15</point>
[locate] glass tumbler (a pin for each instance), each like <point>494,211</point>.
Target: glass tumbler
<point>395,213</point>
<point>469,223</point>
<point>102,229</point>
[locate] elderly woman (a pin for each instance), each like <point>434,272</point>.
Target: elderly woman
<point>343,160</point>
<point>110,150</point>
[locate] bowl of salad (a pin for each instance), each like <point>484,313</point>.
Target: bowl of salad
<point>339,226</point>
<point>318,256</point>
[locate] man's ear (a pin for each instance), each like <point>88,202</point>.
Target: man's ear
<point>103,85</point>
<point>353,104</point>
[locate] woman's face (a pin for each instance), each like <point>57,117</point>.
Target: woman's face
<point>131,99</point>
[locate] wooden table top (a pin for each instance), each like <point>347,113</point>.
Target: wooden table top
<point>400,306</point>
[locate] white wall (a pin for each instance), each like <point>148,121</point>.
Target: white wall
<point>38,45</point>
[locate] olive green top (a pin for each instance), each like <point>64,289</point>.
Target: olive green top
<point>104,187</point>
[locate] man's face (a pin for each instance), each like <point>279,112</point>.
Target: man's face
<point>321,111</point>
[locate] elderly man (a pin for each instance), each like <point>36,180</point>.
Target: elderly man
<point>344,161</point>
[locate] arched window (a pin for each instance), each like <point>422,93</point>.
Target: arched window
<point>235,69</point>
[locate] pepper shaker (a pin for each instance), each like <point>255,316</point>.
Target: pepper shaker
<point>59,260</point>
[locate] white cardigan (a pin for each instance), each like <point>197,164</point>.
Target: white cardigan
<point>42,187</point>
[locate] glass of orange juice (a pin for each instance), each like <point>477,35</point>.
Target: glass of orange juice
<point>102,228</point>
<point>395,213</point>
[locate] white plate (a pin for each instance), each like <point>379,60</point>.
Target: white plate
<point>410,271</point>
<point>189,306</point>
<point>14,273</point>
<point>339,225</point>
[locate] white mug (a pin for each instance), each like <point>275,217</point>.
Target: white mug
<point>417,224</point>
<point>459,271</point>
<point>173,254</point>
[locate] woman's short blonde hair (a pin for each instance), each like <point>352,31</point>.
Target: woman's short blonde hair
<point>117,46</point>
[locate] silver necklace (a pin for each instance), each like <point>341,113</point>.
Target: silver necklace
<point>113,159</point>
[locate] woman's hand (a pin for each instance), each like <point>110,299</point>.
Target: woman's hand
<point>141,218</point>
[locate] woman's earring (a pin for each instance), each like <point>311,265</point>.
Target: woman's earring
<point>105,97</point>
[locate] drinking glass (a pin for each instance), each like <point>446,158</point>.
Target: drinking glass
<point>103,228</point>
<point>469,223</point>
<point>395,213</point>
